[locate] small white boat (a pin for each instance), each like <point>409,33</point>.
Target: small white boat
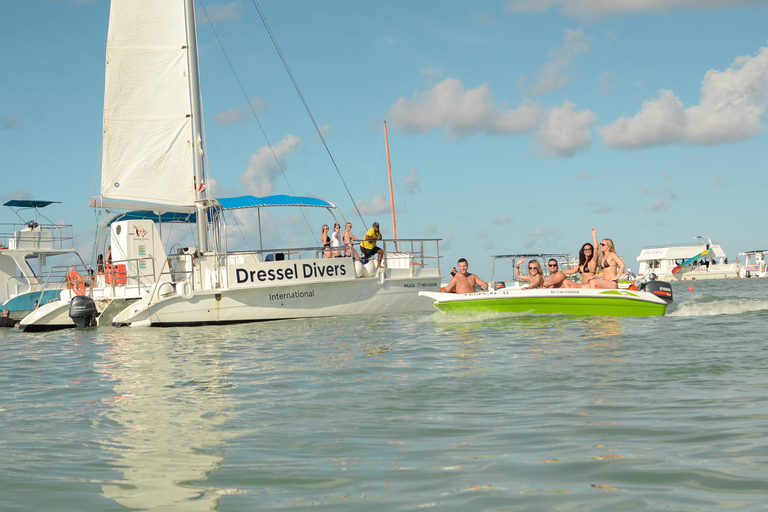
<point>758,268</point>
<point>686,262</point>
<point>642,299</point>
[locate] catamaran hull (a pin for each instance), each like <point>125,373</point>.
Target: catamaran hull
<point>347,298</point>
<point>55,315</point>
<point>579,302</point>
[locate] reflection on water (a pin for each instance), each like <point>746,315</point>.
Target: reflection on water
<point>167,411</point>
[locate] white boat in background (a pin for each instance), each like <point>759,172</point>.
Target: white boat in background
<point>27,250</point>
<point>685,262</point>
<point>153,162</point>
<point>758,268</point>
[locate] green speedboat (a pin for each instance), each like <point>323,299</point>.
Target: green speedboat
<point>568,301</point>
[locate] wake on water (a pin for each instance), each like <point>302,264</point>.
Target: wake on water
<point>709,305</point>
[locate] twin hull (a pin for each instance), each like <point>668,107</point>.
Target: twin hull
<point>357,296</point>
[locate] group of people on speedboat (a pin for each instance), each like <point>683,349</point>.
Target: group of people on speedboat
<point>598,268</point>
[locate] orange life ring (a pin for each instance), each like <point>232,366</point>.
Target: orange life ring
<point>75,282</point>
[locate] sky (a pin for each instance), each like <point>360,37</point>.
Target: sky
<point>514,126</point>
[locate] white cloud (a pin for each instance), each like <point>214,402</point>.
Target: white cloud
<point>659,206</point>
<point>732,107</point>
<point>541,237</point>
<point>231,116</point>
<point>224,12</point>
<point>411,183</point>
<point>563,131</point>
<point>448,105</point>
<point>599,208</point>
<point>263,168</point>
<point>16,194</point>
<point>553,75</point>
<point>593,10</point>
<point>375,206</point>
<point>608,81</point>
<point>430,76</point>
<point>9,122</point>
<point>500,221</point>
<point>447,243</point>
<point>430,229</point>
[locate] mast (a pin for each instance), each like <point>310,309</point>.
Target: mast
<point>391,190</point>
<point>197,127</point>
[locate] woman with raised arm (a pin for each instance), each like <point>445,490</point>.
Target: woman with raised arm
<point>587,264</point>
<point>609,265</point>
<point>534,276</point>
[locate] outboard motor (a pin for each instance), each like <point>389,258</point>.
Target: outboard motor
<point>661,289</point>
<point>82,311</point>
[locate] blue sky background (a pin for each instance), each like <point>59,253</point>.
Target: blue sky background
<point>513,126</point>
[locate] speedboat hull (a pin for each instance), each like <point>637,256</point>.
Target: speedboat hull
<point>577,301</point>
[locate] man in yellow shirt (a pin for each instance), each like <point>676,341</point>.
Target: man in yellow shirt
<point>368,245</point>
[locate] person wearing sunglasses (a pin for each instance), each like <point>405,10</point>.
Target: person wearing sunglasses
<point>556,277</point>
<point>587,264</point>
<point>463,281</point>
<point>534,276</point>
<point>610,266</point>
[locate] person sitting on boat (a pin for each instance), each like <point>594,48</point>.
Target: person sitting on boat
<point>326,241</point>
<point>368,245</point>
<point>556,277</point>
<point>6,320</point>
<point>587,264</point>
<point>336,241</point>
<point>611,266</point>
<point>463,281</point>
<point>534,274</point>
<point>349,250</point>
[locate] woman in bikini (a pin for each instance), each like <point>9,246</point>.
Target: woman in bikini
<point>587,264</point>
<point>610,266</point>
<point>534,274</point>
<point>326,242</point>
<point>348,237</point>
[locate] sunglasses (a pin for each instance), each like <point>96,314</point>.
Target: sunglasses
<point>602,244</point>
<point>552,265</point>
<point>532,268</point>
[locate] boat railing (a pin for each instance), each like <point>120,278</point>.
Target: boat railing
<point>416,251</point>
<point>668,246</point>
<point>77,278</point>
<point>32,236</point>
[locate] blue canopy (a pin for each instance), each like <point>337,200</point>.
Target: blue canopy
<point>153,216</point>
<point>233,203</point>
<point>28,203</point>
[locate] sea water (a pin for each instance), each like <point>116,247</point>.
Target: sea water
<point>397,412</point>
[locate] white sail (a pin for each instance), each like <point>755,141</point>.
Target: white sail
<point>148,142</point>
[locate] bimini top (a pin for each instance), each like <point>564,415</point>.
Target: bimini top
<point>29,203</point>
<point>234,203</point>
<point>153,216</point>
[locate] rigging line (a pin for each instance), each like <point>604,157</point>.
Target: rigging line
<point>304,101</point>
<point>405,205</point>
<point>253,111</point>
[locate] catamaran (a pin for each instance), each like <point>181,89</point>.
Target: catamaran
<point>649,298</point>
<point>685,262</point>
<point>153,163</point>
